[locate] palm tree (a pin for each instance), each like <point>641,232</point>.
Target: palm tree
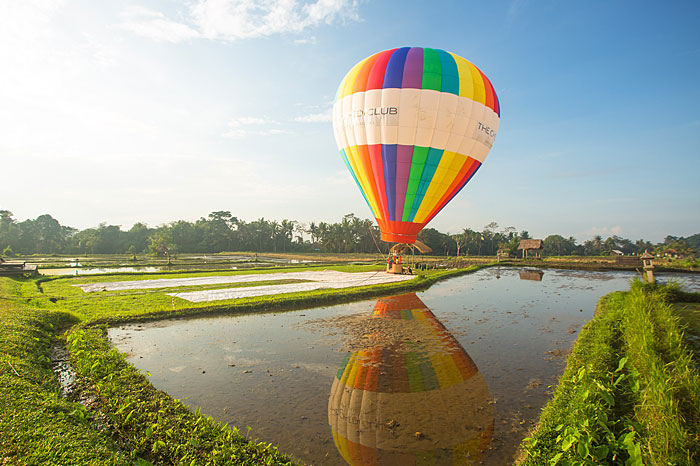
<point>597,244</point>
<point>314,232</point>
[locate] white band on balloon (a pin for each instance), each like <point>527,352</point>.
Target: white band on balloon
<point>415,117</point>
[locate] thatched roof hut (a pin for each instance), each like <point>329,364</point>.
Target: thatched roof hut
<point>400,248</point>
<point>530,244</point>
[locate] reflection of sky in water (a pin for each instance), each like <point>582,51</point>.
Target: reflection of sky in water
<point>688,282</point>
<point>274,373</point>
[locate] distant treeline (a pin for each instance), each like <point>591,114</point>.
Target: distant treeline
<point>220,231</point>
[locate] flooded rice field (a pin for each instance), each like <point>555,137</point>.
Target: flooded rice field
<point>97,270</point>
<point>455,374</point>
<point>204,262</point>
<point>300,281</point>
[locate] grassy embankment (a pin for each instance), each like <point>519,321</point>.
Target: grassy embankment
<point>604,263</point>
<point>127,420</point>
<point>37,426</point>
<point>630,393</point>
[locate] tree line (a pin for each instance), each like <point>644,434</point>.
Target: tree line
<point>221,231</point>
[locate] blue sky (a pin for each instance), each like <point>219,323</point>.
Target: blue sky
<point>154,111</point>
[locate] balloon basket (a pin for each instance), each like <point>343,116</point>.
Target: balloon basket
<point>395,263</point>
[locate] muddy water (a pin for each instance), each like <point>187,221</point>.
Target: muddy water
<point>456,374</point>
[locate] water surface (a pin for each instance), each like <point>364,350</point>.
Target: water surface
<point>456,373</point>
<point>204,262</point>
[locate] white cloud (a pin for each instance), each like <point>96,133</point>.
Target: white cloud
<point>320,117</point>
<point>307,40</point>
<point>18,14</point>
<point>327,11</point>
<point>105,54</point>
<point>232,20</point>
<point>241,127</point>
<point>54,86</point>
<point>246,121</point>
<point>24,29</point>
<point>154,25</point>
<point>604,231</point>
<point>235,134</point>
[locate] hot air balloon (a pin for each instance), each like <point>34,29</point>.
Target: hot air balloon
<point>413,126</point>
<point>415,401</point>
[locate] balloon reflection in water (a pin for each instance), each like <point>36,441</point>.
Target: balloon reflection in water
<point>410,401</point>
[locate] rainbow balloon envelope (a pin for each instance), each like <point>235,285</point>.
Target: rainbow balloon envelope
<point>415,401</point>
<point>413,126</point>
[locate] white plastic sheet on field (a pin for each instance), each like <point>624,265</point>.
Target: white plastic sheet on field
<point>328,279</point>
<point>316,280</point>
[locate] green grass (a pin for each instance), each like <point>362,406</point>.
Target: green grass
<point>38,426</point>
<point>127,420</point>
<point>630,393</point>
<point>668,405</point>
<point>685,263</point>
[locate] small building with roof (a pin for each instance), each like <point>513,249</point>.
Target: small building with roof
<point>671,253</point>
<point>527,245</point>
